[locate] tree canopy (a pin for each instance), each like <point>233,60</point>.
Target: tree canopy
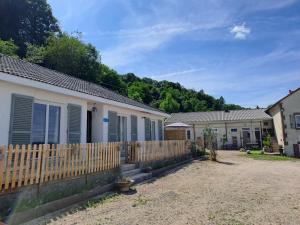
<point>8,48</point>
<point>26,21</point>
<point>29,30</point>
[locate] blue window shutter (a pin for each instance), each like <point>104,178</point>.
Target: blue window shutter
<point>112,126</point>
<point>160,130</point>
<point>147,129</point>
<point>74,123</point>
<point>20,119</point>
<point>134,135</point>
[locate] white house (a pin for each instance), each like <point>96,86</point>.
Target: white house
<point>286,117</point>
<point>38,105</point>
<point>233,129</point>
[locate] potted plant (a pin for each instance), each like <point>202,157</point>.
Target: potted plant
<point>124,184</point>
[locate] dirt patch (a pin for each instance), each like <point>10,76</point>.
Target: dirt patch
<point>237,190</point>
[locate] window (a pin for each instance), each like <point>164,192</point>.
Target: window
<point>53,124</point>
<point>297,121</point>
<point>38,132</point>
<point>233,129</point>
<point>266,123</point>
<point>153,130</point>
<point>188,134</point>
<point>41,133</point>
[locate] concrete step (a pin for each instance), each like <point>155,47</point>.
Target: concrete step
<point>141,177</point>
<point>129,173</point>
<point>126,167</point>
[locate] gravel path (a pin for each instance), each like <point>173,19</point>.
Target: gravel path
<point>237,190</point>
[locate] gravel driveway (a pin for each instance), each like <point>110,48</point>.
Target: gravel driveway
<point>237,190</point>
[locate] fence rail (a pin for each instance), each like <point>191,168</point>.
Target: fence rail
<point>148,151</point>
<point>38,164</point>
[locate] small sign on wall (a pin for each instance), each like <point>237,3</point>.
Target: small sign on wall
<point>105,120</point>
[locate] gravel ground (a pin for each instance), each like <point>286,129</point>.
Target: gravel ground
<point>236,190</point>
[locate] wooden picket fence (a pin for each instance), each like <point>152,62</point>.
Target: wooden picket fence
<point>39,164</point>
<point>148,151</point>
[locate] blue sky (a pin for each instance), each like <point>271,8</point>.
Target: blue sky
<point>246,51</point>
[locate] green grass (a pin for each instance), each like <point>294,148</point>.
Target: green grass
<point>258,156</point>
<point>108,197</point>
<point>140,201</point>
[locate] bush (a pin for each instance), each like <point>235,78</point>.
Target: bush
<point>197,151</point>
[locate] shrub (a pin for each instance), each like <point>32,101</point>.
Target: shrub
<point>197,151</point>
<point>210,138</point>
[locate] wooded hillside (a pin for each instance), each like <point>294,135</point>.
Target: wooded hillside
<point>28,30</point>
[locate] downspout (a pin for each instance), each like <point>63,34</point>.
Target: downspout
<point>194,131</point>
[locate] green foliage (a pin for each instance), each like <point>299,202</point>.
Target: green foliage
<point>35,54</point>
<point>169,104</point>
<point>257,155</point>
<point>197,151</point>
<point>69,55</point>
<point>267,141</point>
<point>8,48</point>
<point>210,137</point>
<point>111,80</point>
<point>26,21</point>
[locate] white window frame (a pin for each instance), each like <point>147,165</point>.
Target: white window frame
<point>47,103</point>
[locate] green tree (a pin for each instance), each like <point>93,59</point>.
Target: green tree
<point>69,55</point>
<point>35,54</point>
<point>111,80</point>
<point>169,104</point>
<point>8,48</point>
<point>26,21</point>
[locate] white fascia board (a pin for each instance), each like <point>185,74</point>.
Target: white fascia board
<point>52,88</point>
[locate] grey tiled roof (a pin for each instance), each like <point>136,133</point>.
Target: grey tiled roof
<point>233,115</point>
<point>38,73</point>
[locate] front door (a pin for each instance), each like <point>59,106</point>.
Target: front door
<point>234,142</point>
<point>246,137</point>
<point>89,127</point>
<point>122,134</point>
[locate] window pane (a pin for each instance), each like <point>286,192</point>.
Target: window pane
<point>38,124</point>
<point>297,119</point>
<point>53,126</point>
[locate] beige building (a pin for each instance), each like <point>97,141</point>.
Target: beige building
<point>234,129</point>
<point>286,119</point>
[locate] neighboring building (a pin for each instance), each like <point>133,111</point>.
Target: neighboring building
<point>234,129</point>
<point>39,105</point>
<point>177,131</point>
<point>286,119</point>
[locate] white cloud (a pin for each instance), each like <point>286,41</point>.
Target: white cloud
<point>240,31</point>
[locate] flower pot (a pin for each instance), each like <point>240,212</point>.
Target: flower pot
<point>124,186</point>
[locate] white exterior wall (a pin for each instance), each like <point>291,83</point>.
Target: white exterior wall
<point>277,121</point>
<point>57,97</point>
<point>221,131</point>
<point>290,105</point>
<point>6,91</point>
